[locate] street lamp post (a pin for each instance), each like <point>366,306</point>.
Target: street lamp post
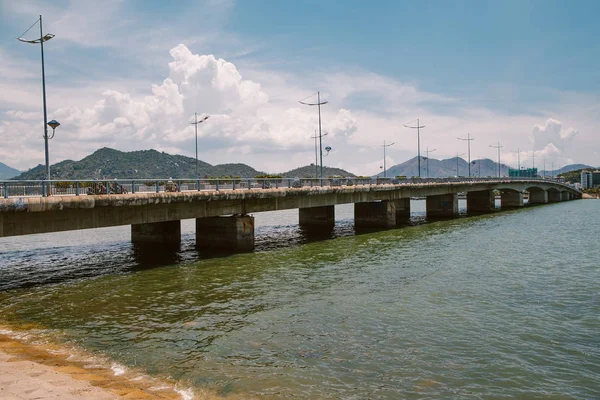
<point>458,155</point>
<point>498,147</point>
<point>384,146</point>
<point>316,157</point>
<point>418,128</point>
<point>196,122</point>
<point>468,139</point>
<point>43,38</point>
<point>427,151</point>
<point>319,103</point>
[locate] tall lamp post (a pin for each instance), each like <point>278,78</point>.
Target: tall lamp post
<point>196,122</point>
<point>427,151</point>
<point>418,128</point>
<point>319,103</point>
<point>43,38</point>
<point>316,157</point>
<point>498,147</point>
<point>458,155</point>
<point>384,146</point>
<point>468,140</point>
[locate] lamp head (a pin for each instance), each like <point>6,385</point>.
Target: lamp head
<point>54,124</point>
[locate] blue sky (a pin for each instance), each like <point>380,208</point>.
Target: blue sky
<point>130,74</point>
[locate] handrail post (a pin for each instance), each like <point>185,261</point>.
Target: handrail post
<point>217,184</point>
<point>233,183</point>
<point>249,184</point>
<point>178,185</point>
<point>6,190</point>
<point>157,186</point>
<point>76,188</point>
<point>132,186</point>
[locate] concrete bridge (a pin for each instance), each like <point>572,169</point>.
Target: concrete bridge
<point>222,216</point>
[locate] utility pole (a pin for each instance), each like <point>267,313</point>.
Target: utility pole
<point>316,158</point>
<point>458,155</point>
<point>518,160</point>
<point>319,103</point>
<point>468,139</point>
<point>533,161</point>
<point>196,122</point>
<point>384,146</point>
<point>498,147</point>
<point>427,151</point>
<point>544,167</point>
<point>418,128</point>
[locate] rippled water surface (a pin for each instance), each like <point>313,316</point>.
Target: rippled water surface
<point>504,305</point>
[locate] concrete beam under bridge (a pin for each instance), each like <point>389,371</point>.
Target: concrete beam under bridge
<point>442,206</point>
<point>377,214</point>
<point>157,232</point>
<point>233,233</point>
<point>539,196</point>
<point>554,196</point>
<point>511,199</point>
<point>317,216</point>
<point>480,201</point>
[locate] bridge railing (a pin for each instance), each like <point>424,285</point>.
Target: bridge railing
<point>42,188</point>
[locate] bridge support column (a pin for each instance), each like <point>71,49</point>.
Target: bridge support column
<point>377,214</point>
<point>157,232</point>
<point>511,199</point>
<point>235,233</point>
<point>564,196</point>
<point>538,197</point>
<point>444,205</point>
<point>480,201</point>
<point>317,216</point>
<point>402,209</point>
<point>553,196</point>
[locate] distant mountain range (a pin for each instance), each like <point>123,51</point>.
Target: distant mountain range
<point>109,163</point>
<point>7,172</point>
<point>457,166</point>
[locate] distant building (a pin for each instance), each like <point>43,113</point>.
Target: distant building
<point>523,173</point>
<point>586,179</point>
<point>590,179</point>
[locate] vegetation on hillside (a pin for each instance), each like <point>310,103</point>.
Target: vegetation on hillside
<point>310,171</point>
<point>571,176</point>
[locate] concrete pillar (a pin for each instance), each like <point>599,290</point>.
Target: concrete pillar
<point>157,232</point>
<point>511,199</point>
<point>444,205</point>
<point>553,196</point>
<point>377,214</point>
<point>234,233</point>
<point>402,209</point>
<point>317,216</point>
<point>480,201</point>
<point>538,196</point>
<point>564,196</point>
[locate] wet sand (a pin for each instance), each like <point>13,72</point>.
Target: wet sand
<point>29,371</point>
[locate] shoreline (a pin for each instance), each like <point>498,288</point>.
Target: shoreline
<point>47,371</point>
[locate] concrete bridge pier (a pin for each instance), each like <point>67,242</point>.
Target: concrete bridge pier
<point>168,232</point>
<point>564,196</point>
<point>554,196</point>
<point>539,196</point>
<point>442,206</point>
<point>480,201</point>
<point>511,199</point>
<point>402,209</point>
<point>317,216</point>
<point>377,214</point>
<point>230,233</point>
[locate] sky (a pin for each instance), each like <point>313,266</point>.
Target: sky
<point>130,75</point>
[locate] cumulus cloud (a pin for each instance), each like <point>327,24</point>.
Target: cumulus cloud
<point>552,133</point>
<point>241,116</point>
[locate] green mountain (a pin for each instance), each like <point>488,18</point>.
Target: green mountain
<point>7,172</point>
<point>310,171</point>
<point>110,163</point>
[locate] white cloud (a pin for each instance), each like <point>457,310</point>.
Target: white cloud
<point>553,133</point>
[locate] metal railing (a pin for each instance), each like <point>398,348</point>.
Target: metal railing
<point>81,187</point>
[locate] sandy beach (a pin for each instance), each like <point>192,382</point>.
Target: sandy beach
<point>29,371</point>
